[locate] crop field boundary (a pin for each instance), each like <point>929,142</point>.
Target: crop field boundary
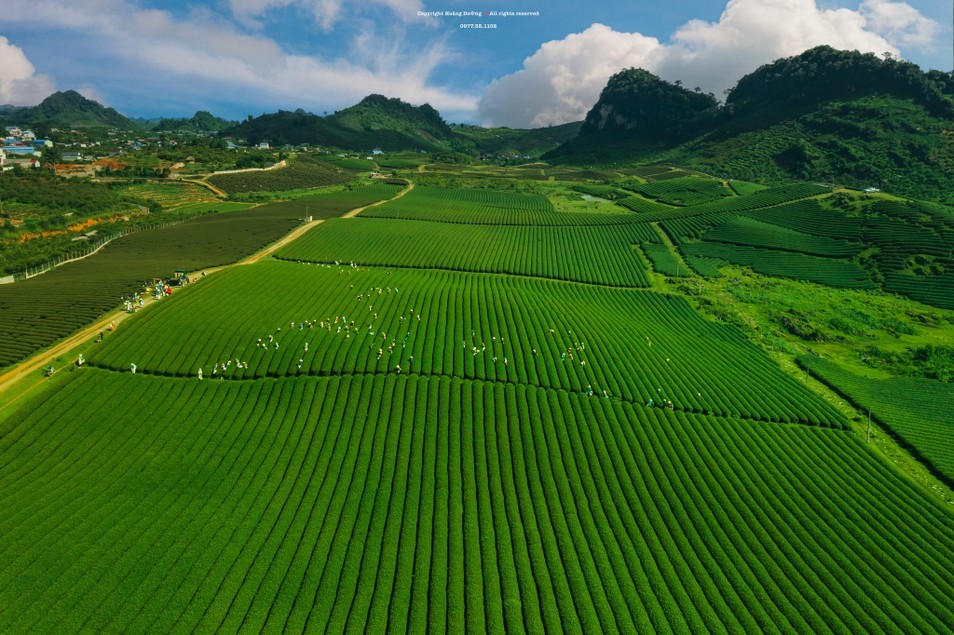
<point>475,272</point>
<point>445,376</point>
<point>45,357</point>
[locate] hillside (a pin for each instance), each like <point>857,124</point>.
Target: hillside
<point>374,122</point>
<point>201,121</point>
<point>825,115</point>
<point>393,125</point>
<point>68,109</point>
<point>516,142</point>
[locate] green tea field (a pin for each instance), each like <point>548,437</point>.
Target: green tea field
<point>466,411</point>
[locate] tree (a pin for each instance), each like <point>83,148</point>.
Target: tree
<point>48,158</point>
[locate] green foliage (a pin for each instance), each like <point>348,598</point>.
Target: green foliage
<point>928,362</point>
<point>683,191</point>
<point>302,172</point>
<point>598,254</point>
<point>40,310</point>
<point>836,273</point>
<point>457,324</point>
<point>302,504</point>
<point>40,190</point>
<point>824,116</point>
<point>936,290</point>
<point>824,74</point>
<point>755,233</point>
<point>636,102</point>
<point>664,260</point>
<point>201,121</point>
<point>69,109</point>
<point>485,207</point>
<point>908,407</point>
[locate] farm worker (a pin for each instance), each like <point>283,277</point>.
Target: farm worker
<point>200,374</point>
<point>80,360</point>
<point>411,361</point>
<point>300,362</point>
<point>112,327</point>
<point>306,347</point>
<point>398,369</point>
<point>132,367</point>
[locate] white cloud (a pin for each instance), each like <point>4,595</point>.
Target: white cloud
<point>205,54</point>
<point>900,23</point>
<point>560,82</point>
<point>20,85</point>
<point>563,78</point>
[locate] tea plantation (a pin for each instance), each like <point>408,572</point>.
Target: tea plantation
<point>467,411</point>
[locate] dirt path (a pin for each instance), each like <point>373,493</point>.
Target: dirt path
<point>46,357</point>
<point>356,211</point>
<point>208,185</point>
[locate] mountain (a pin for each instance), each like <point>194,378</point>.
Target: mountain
<point>375,122</point>
<point>825,115</point>
<point>68,109</point>
<point>391,124</point>
<point>201,121</point>
<point>637,104</point>
<point>515,142</point>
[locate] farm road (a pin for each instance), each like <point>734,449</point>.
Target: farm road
<point>46,357</point>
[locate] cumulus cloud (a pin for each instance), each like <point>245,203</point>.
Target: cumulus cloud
<point>205,54</point>
<point>900,23</point>
<point>559,82</point>
<point>563,78</point>
<point>20,85</point>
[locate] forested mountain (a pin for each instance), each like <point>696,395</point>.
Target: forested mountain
<point>374,122</point>
<point>201,121</point>
<point>67,109</point>
<point>825,115</point>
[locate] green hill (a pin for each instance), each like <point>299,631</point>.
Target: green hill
<point>201,121</point>
<point>825,115</point>
<point>69,109</point>
<point>393,125</point>
<point>374,122</point>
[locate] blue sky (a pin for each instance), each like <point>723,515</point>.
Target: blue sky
<point>245,57</point>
